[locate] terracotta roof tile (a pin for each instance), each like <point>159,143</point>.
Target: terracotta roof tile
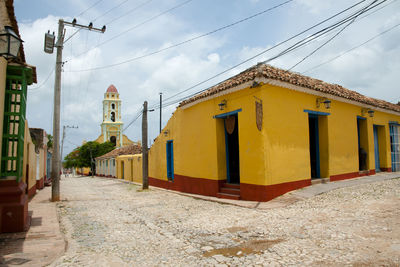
<point>125,150</point>
<point>112,89</point>
<point>269,72</point>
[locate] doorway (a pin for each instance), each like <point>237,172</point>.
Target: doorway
<point>232,149</point>
<point>376,149</point>
<point>122,170</point>
<point>314,146</point>
<point>362,144</point>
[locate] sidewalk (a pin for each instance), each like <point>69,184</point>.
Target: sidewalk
<point>42,244</point>
<point>300,194</point>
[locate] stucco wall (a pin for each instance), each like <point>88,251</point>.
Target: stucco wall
<point>29,165</point>
<point>132,168</point>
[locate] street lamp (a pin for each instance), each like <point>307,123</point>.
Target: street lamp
<point>9,43</point>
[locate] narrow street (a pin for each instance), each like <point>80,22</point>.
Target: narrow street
<point>110,223</point>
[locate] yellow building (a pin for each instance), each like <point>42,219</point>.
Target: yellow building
<point>267,131</point>
<point>111,165</point>
<point>111,127</point>
<point>130,168</point>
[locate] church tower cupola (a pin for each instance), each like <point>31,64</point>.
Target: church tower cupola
<point>112,124</point>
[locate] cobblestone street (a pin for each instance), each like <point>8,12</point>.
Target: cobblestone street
<point>111,223</point>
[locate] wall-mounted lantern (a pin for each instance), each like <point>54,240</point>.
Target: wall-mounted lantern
<point>370,112</point>
<point>9,43</point>
<point>325,101</point>
<point>222,105</point>
<point>166,133</point>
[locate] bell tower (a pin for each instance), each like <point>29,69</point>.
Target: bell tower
<point>111,128</point>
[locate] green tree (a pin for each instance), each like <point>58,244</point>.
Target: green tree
<point>85,154</point>
<point>72,159</point>
<point>49,141</point>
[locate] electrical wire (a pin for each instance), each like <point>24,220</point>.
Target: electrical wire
<point>138,115</point>
<point>83,12</point>
<point>128,12</point>
<point>188,40</point>
<point>333,37</point>
<point>72,35</point>
<point>351,49</point>
<point>44,82</point>
<point>89,79</point>
<point>140,24</point>
<point>261,53</point>
<point>316,35</point>
<point>108,11</point>
<point>291,48</point>
<point>111,9</point>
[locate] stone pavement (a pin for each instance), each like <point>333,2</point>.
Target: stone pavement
<point>111,223</point>
<point>42,243</point>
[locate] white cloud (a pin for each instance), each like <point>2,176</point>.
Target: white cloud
<point>371,70</point>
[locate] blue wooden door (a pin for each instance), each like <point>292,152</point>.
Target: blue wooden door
<point>376,147</point>
<point>170,160</point>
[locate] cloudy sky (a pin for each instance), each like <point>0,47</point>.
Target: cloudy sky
<point>140,27</point>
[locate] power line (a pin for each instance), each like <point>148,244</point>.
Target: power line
<point>138,115</point>
<point>140,24</point>
<point>111,9</point>
<point>333,37</point>
<point>293,47</point>
<point>128,12</point>
<point>297,45</point>
<point>189,40</point>
<point>44,82</point>
<point>108,11</point>
<point>263,52</point>
<point>105,13</point>
<point>351,49</point>
<point>318,34</point>
<point>83,12</point>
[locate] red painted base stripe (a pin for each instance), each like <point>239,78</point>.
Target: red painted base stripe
<point>350,175</point>
<point>208,187</point>
<point>268,192</point>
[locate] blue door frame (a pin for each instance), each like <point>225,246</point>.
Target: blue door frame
<point>316,143</point>
<point>170,159</point>
<point>376,149</point>
<point>223,116</point>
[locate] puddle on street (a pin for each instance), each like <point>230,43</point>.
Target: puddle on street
<point>235,229</point>
<point>250,247</point>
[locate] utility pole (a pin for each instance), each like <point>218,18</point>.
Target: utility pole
<point>145,162</point>
<point>62,142</point>
<point>160,111</point>
<point>55,170</point>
